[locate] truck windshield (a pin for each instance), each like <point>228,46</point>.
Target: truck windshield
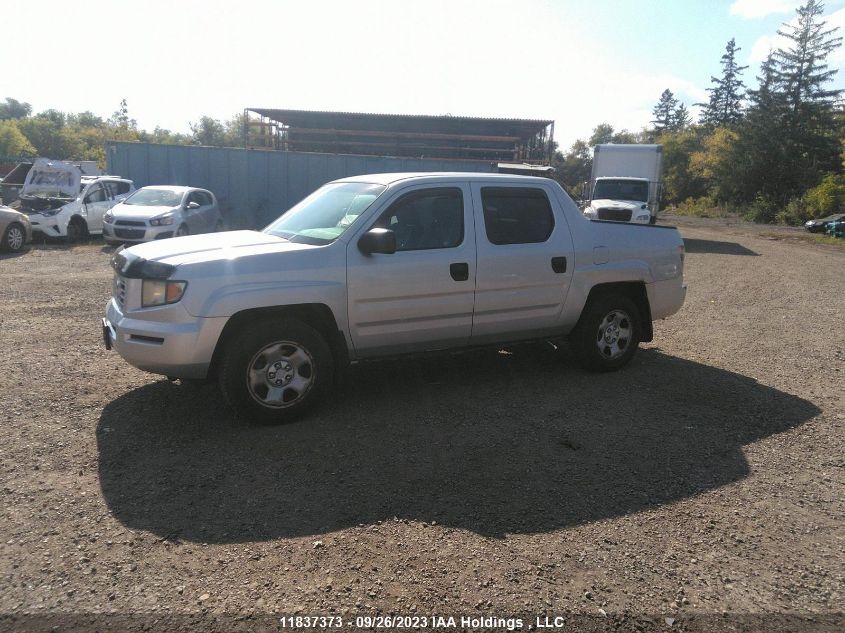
<point>621,190</point>
<point>323,216</point>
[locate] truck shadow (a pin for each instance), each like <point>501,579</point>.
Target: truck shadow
<point>496,443</point>
<point>716,247</point>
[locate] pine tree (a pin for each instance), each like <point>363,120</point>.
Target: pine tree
<point>800,85</point>
<point>725,105</point>
<point>665,112</point>
<point>800,70</point>
<point>762,166</point>
<point>790,136</point>
<point>681,118</point>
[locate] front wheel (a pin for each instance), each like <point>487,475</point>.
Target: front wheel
<point>275,370</point>
<point>608,333</point>
<point>77,229</point>
<point>14,238</point>
<point>182,230</point>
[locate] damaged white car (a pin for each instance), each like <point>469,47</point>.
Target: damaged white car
<point>61,202</point>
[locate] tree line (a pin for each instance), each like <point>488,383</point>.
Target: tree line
<point>773,153</point>
<point>82,136</point>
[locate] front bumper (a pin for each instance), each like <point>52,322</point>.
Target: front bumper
<point>182,346</point>
<point>47,225</point>
<point>136,234</point>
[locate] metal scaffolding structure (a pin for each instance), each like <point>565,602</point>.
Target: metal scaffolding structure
<point>528,141</point>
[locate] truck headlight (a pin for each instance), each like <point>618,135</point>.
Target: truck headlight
<point>155,292</point>
<point>162,220</point>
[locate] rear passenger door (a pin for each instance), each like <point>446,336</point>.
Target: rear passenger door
<point>421,296</point>
<point>525,261</point>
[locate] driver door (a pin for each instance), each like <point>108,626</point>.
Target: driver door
<point>193,213</point>
<point>96,202</point>
<point>420,297</point>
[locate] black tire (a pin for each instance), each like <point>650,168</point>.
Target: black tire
<point>597,345</point>
<point>251,361</point>
<point>652,219</point>
<point>182,231</point>
<point>219,227</point>
<point>14,238</point>
<point>77,229</point>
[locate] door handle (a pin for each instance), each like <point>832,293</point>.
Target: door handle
<point>559,264</point>
<point>459,271</point>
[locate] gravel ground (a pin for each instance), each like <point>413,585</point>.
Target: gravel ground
<point>699,489</point>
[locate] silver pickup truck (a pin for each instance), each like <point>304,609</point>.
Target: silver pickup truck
<point>389,264</point>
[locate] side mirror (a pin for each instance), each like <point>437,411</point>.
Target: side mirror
<point>192,205</point>
<point>378,241</point>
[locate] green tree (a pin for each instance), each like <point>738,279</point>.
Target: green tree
<point>791,133</point>
<point>664,112</point>
<point>13,143</point>
<point>602,133</point>
<point>715,164</point>
<point>86,119</point>
<point>14,109</point>
<point>681,118</point>
<point>55,116</point>
<point>726,94</point>
<point>680,180</point>
<point>802,76</point>
<point>573,168</point>
<point>50,139</point>
<point>208,131</point>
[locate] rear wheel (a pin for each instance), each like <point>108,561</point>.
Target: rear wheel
<point>608,333</point>
<point>14,238</point>
<point>275,370</point>
<point>77,229</point>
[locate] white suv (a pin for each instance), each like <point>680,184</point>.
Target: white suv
<point>61,202</point>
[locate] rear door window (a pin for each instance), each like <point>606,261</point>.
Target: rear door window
<point>516,215</point>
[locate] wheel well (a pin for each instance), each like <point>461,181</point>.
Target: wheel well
<point>78,219</point>
<point>317,315</point>
<point>634,290</point>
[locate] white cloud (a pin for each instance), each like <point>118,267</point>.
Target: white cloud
<point>761,8</point>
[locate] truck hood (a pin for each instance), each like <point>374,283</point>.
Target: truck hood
<point>52,179</point>
<point>228,245</point>
<point>631,205</point>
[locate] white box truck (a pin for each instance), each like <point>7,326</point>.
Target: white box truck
<point>625,183</point>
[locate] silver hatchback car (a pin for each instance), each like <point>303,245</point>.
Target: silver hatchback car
<point>159,212</point>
